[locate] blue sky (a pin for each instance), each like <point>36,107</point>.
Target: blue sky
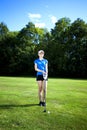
<point>43,13</point>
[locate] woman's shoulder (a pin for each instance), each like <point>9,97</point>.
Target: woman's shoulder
<point>46,60</point>
<point>36,60</point>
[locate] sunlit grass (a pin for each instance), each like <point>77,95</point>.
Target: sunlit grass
<point>66,101</point>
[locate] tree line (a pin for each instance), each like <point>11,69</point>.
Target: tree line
<point>65,48</point>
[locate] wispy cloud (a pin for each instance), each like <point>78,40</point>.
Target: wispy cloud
<point>34,16</point>
<point>53,19</point>
<point>40,25</point>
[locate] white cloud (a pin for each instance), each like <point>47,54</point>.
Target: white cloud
<point>40,25</point>
<point>53,19</point>
<point>36,19</point>
<point>34,16</point>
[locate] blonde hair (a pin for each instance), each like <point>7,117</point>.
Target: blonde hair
<point>40,51</point>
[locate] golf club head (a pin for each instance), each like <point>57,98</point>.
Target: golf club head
<point>44,111</point>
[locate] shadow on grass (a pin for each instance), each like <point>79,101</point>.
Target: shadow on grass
<point>9,106</point>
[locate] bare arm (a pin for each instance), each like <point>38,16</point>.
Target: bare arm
<point>36,69</point>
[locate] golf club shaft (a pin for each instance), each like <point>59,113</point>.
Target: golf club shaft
<point>45,85</point>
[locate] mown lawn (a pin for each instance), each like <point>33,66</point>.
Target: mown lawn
<point>66,101</point>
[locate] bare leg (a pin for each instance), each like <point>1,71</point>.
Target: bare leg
<point>44,90</point>
<point>40,90</point>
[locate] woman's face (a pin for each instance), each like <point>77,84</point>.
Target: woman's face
<point>41,55</point>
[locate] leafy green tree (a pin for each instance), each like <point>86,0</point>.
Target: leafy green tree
<point>60,30</point>
<point>57,47</point>
<point>8,52</point>
<point>77,48</point>
<point>3,29</point>
<point>26,40</point>
<point>65,46</point>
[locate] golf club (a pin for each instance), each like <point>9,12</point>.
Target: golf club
<point>45,84</point>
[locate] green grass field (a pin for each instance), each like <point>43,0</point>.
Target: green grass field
<point>66,101</point>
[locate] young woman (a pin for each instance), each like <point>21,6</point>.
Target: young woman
<point>41,66</point>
